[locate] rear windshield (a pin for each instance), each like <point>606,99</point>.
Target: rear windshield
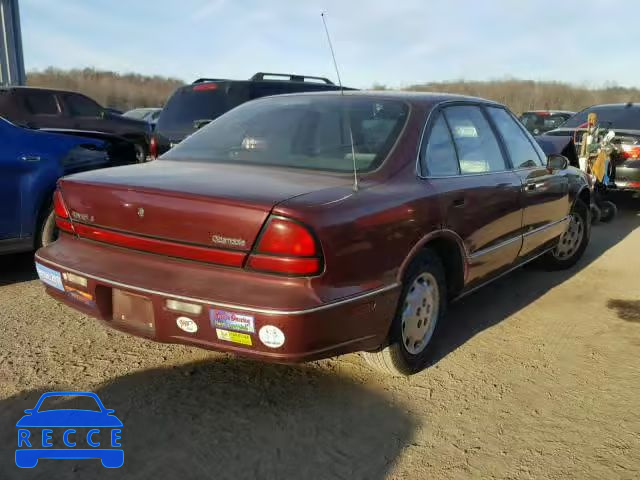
<point>312,132</point>
<point>203,101</point>
<point>614,117</point>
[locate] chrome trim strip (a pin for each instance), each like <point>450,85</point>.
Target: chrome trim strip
<point>493,248</point>
<point>549,225</point>
<point>266,311</point>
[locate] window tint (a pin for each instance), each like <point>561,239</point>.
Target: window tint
<point>41,103</point>
<point>615,116</point>
<point>202,101</point>
<point>81,106</point>
<point>312,132</point>
<point>521,150</point>
<point>438,152</point>
<point>478,149</point>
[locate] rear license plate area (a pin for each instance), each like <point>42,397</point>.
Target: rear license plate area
<point>133,312</point>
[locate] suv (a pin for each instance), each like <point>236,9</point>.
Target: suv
<point>53,110</point>
<point>193,106</point>
<point>541,121</point>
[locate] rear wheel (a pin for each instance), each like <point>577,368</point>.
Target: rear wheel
<point>608,211</point>
<point>141,152</point>
<point>420,311</point>
<point>573,241</point>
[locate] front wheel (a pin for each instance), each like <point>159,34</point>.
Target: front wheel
<point>420,311</point>
<point>573,241</point>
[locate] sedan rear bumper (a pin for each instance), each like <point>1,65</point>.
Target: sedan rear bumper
<point>129,291</point>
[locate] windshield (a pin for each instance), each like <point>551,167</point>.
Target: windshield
<point>312,132</point>
<point>543,121</point>
<point>624,117</point>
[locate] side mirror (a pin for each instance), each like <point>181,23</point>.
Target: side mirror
<point>556,161</point>
<point>103,114</point>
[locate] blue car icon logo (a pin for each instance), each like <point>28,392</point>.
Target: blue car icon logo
<point>65,433</point>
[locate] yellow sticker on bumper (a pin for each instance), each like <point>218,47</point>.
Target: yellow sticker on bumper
<point>234,337</point>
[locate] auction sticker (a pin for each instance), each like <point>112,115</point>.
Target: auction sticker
<point>235,337</point>
<point>231,320</point>
<point>271,336</point>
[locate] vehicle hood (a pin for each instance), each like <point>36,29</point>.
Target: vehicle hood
<point>69,418</point>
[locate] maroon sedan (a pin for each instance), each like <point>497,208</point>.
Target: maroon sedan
<point>255,235</point>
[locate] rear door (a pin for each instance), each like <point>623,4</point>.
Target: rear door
<point>478,194</point>
<point>12,169</point>
<point>545,194</point>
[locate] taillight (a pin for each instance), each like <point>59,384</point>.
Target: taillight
<point>287,247</point>
<point>631,151</point>
<point>153,147</point>
<point>62,214</point>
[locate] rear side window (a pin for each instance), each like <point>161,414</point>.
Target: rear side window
<point>41,103</point>
<point>438,152</point>
<point>202,101</point>
<point>477,146</point>
<point>311,132</point>
<point>81,106</point>
<point>521,150</point>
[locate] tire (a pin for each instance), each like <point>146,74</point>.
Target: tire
<point>47,229</point>
<point>141,152</point>
<point>573,242</point>
<point>608,211</point>
<point>424,292</point>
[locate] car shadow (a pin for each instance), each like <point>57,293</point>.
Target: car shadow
<point>16,268</point>
<point>233,418</point>
<point>513,292</point>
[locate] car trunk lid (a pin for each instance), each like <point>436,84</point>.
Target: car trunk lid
<point>188,203</point>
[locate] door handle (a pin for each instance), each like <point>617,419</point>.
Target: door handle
<point>30,158</point>
<point>459,202</point>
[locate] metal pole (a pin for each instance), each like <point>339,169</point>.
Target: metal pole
<point>11,59</point>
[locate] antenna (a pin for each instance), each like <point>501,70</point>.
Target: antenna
<point>335,64</point>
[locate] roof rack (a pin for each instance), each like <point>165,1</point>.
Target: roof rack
<point>202,80</point>
<point>290,77</point>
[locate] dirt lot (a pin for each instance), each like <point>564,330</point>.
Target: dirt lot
<point>536,376</point>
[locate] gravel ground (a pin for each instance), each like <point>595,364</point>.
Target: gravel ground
<point>536,376</point>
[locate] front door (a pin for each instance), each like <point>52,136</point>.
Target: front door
<point>545,194</point>
<point>479,196</point>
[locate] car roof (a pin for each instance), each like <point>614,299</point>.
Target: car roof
<point>422,98</point>
<point>42,89</point>
<point>549,111</point>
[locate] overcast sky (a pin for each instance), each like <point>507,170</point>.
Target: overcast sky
<point>393,42</point>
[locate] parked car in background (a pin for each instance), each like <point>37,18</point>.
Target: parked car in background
<point>253,237</point>
<point>541,121</point>
<point>192,106</point>
<point>149,115</point>
<point>31,162</point>
<point>47,108</point>
<point>624,119</point>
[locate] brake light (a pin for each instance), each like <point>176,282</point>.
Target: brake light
<point>631,151</point>
<point>286,247</point>
<point>153,147</point>
<point>62,214</point>
<point>205,86</point>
